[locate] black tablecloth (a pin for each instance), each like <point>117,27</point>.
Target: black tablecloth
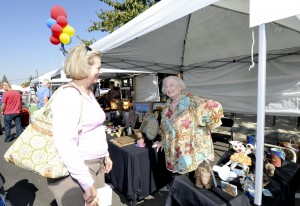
<point>137,172</point>
<point>283,187</point>
<point>183,192</point>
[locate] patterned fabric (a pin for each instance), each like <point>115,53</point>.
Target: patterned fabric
<point>186,132</point>
<point>34,149</point>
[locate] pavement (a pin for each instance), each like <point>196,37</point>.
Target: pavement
<point>25,188</point>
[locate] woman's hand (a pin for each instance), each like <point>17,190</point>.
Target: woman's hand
<point>158,145</point>
<point>107,164</point>
<point>89,195</point>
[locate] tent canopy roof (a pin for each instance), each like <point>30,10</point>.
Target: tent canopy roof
<point>164,40</point>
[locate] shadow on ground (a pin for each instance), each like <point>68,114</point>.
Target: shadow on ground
<point>24,191</point>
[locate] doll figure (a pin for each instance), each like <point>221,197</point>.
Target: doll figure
<point>141,140</point>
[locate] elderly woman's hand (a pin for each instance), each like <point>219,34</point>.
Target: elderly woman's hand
<point>158,145</point>
<point>107,164</point>
<point>90,195</point>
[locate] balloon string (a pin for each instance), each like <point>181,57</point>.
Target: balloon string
<point>63,49</point>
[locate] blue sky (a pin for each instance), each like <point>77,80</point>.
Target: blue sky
<point>24,35</point>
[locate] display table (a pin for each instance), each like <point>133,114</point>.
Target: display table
<point>283,186</point>
<point>183,192</point>
<point>137,171</point>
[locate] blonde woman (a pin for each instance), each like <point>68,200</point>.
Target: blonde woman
<point>84,152</point>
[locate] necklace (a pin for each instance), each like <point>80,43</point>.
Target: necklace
<point>175,101</point>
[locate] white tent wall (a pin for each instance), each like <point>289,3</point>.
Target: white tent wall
<point>236,87</point>
<point>146,88</point>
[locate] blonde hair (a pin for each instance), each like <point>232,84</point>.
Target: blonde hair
<point>79,60</point>
<point>179,81</point>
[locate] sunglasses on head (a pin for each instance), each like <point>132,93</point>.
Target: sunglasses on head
<point>87,49</point>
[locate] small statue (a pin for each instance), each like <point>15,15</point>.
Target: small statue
<point>141,140</point>
<point>120,131</point>
<point>203,175</point>
<point>269,168</point>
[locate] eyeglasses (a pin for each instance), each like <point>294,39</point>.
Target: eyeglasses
<point>87,49</point>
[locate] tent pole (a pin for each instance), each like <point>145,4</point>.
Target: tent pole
<point>259,153</point>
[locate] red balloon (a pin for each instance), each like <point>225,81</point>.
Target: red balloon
<point>54,40</point>
<point>62,21</point>
<point>56,29</point>
<point>57,11</point>
<point>56,35</point>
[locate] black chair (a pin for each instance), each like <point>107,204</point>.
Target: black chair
<point>222,137</point>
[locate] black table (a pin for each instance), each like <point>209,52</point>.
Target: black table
<point>283,184</point>
<point>283,187</point>
<point>183,192</point>
<point>137,172</point>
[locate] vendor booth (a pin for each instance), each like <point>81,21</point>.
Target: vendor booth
<point>211,44</point>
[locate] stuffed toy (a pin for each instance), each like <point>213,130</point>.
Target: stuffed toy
<point>240,157</point>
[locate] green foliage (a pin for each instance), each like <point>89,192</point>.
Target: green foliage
<point>120,14</point>
<point>26,84</point>
<point>4,79</point>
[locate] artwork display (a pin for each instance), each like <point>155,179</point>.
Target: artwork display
<point>150,126</point>
<point>141,108</point>
<point>126,105</point>
<point>158,106</point>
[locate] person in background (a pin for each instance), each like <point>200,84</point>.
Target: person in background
<point>186,122</point>
<point>43,93</point>
<point>11,109</point>
<point>1,88</point>
<point>1,91</point>
<point>84,153</point>
<point>112,94</point>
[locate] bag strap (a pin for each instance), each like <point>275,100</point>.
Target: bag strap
<point>46,109</point>
<point>70,85</point>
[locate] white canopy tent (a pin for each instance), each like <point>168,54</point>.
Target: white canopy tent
<point>20,88</point>
<point>59,76</point>
<point>208,38</point>
<point>146,81</point>
<point>48,75</point>
<point>209,42</point>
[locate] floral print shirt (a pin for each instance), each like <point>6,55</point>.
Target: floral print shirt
<point>186,132</point>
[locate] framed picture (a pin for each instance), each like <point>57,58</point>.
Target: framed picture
<point>141,108</point>
<point>126,105</point>
<point>113,105</point>
<point>229,188</point>
<point>158,106</point>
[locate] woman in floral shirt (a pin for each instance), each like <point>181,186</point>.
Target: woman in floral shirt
<point>185,127</point>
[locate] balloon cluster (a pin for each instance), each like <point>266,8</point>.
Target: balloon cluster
<point>58,23</point>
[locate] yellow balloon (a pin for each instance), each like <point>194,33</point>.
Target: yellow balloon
<point>64,38</point>
<point>69,30</point>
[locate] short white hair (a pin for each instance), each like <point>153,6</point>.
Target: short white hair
<point>175,78</point>
<point>46,81</point>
